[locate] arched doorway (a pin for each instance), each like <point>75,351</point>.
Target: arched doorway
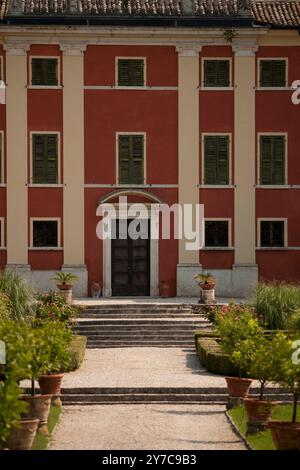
<point>130,267</point>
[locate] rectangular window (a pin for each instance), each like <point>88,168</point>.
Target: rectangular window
<point>272,73</point>
<point>216,159</point>
<point>216,233</point>
<point>272,159</point>
<point>131,159</point>
<point>44,72</point>
<point>45,158</point>
<point>272,233</point>
<point>216,73</point>
<point>45,234</point>
<point>131,72</point>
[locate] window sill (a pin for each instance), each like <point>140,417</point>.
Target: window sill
<point>58,185</point>
<point>218,248</point>
<point>274,88</point>
<point>3,248</point>
<point>216,88</point>
<point>46,248</point>
<point>275,248</point>
<point>2,185</point>
<point>44,87</point>
<point>216,186</point>
<point>273,186</point>
<point>126,88</point>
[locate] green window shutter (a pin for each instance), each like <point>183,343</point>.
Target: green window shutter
<point>216,73</point>
<point>216,160</point>
<point>45,159</point>
<point>272,160</point>
<point>130,72</point>
<point>44,72</point>
<point>272,73</point>
<point>131,159</point>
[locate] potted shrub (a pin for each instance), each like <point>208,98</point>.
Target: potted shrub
<point>58,358</point>
<point>235,326</point>
<point>286,434</point>
<point>65,284</point>
<point>264,355</point>
<point>16,433</point>
<point>207,284</point>
<point>39,405</point>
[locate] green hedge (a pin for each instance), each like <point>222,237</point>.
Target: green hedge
<point>77,349</point>
<point>212,358</point>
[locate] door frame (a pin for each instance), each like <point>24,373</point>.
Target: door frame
<point>146,211</point>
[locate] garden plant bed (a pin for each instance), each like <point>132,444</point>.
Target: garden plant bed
<point>261,440</point>
<point>41,442</point>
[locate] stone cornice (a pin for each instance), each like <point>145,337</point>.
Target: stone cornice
<point>244,50</point>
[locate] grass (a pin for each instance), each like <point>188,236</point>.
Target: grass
<point>41,442</point>
<point>261,440</point>
<point>276,302</point>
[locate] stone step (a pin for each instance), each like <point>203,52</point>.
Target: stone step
<point>138,334</point>
<point>138,328</point>
<point>138,306</point>
<point>140,344</point>
<point>148,315</point>
<point>140,322</point>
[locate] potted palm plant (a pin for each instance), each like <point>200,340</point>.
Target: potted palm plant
<point>65,284</point>
<point>207,284</point>
<point>286,434</point>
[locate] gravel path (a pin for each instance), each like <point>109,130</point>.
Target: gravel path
<point>142,367</point>
<point>133,427</point>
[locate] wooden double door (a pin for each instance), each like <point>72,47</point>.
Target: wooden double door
<point>130,262</point>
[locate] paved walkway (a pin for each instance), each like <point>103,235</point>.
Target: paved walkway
<point>151,300</point>
<point>163,427</point>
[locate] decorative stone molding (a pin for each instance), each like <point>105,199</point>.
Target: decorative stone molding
<point>73,49</point>
<point>189,50</point>
<point>16,48</point>
<point>244,50</point>
<point>16,7</point>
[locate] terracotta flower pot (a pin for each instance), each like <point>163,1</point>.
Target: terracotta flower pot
<point>237,387</point>
<point>39,407</point>
<point>51,384</point>
<point>164,289</point>
<point>22,438</point>
<point>207,285</point>
<point>258,411</point>
<point>64,286</point>
<point>285,435</point>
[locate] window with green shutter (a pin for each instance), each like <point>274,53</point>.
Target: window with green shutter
<point>216,159</point>
<point>44,72</point>
<point>272,233</point>
<point>272,73</point>
<point>216,233</point>
<point>216,73</point>
<point>131,72</point>
<point>131,159</point>
<point>45,159</point>
<point>272,159</point>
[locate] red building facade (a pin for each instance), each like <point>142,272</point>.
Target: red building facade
<point>218,125</point>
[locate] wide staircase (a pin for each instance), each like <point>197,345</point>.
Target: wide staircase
<point>140,325</point>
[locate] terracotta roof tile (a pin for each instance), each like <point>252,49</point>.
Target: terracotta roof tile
<point>283,13</point>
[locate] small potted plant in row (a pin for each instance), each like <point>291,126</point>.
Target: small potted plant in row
<point>65,284</point>
<point>207,284</point>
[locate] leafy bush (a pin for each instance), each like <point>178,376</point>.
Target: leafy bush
<point>58,338</point>
<point>19,293</point>
<point>276,302</point>
<point>77,349</point>
<point>235,326</point>
<point>294,321</point>
<point>53,306</point>
<point>11,408</point>
<point>5,307</point>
